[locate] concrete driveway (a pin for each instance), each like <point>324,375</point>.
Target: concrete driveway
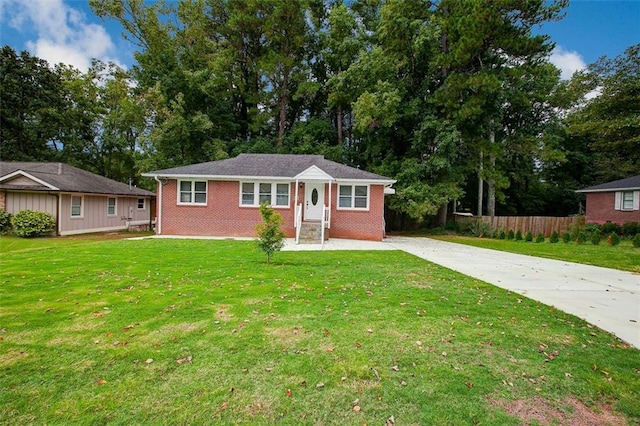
<point>607,298</point>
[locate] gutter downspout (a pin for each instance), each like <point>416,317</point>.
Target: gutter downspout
<point>59,209</point>
<point>159,207</point>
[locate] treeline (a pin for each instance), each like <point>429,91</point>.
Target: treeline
<point>455,99</point>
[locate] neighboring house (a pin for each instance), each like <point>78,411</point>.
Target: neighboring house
<point>617,201</point>
<point>80,201</point>
<point>313,195</point>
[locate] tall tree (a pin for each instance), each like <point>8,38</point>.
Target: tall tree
<point>31,107</point>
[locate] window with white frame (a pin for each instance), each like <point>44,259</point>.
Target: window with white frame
<point>77,206</point>
<point>141,204</point>
<point>111,206</point>
<point>627,200</point>
<point>353,197</point>
<point>252,194</point>
<point>192,192</point>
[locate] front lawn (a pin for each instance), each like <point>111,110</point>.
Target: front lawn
<point>204,332</point>
<point>624,257</point>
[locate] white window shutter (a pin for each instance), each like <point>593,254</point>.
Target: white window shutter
<point>636,200</point>
<point>618,205</point>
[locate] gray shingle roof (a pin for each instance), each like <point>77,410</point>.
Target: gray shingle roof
<point>630,183</point>
<point>268,165</point>
<point>67,179</point>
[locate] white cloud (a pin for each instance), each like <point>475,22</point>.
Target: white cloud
<point>567,61</point>
<point>61,32</point>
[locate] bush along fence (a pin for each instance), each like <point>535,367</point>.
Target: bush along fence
<point>535,225</point>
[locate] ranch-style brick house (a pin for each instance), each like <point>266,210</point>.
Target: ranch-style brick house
<point>79,201</point>
<point>617,201</point>
<point>315,197</point>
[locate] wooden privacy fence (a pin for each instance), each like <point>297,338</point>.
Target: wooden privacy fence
<point>536,224</point>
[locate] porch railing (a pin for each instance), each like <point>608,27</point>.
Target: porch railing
<point>298,223</point>
<point>326,222</point>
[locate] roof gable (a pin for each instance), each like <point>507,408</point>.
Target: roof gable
<point>629,184</point>
<point>313,173</point>
<point>275,166</point>
<point>22,178</point>
<point>62,177</point>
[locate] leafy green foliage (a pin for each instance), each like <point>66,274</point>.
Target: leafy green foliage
<point>630,229</point>
<point>581,238</point>
<point>613,239</point>
<point>540,238</point>
<point>595,238</point>
<point>29,223</point>
<point>636,240</point>
<point>518,235</point>
<point>566,237</point>
<point>5,221</point>
<point>528,237</point>
<point>510,235</point>
<point>502,235</point>
<point>554,237</point>
<point>270,236</point>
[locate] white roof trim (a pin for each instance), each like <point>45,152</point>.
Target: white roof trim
<point>389,191</point>
<point>609,189</point>
<point>313,173</point>
<point>28,176</point>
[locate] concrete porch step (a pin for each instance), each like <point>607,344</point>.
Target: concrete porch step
<point>311,233</point>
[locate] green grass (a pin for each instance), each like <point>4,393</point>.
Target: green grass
<point>624,257</point>
<point>204,332</point>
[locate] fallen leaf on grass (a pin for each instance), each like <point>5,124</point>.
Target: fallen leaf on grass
<point>183,360</point>
<point>224,406</point>
<point>469,384</point>
<point>395,368</point>
<point>330,349</point>
<point>101,382</point>
<point>390,421</point>
<point>303,383</point>
<point>149,360</point>
<point>268,369</point>
<point>320,385</point>
<point>356,409</point>
<point>288,393</point>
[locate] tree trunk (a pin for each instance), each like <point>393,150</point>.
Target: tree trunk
<point>480,184</point>
<point>491,182</point>
<point>282,116</point>
<point>442,215</point>
<point>339,125</point>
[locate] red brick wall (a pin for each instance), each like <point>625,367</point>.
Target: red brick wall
<point>601,209</point>
<point>222,216</point>
<point>355,224</point>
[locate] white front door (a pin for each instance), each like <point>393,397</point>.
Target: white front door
<point>313,201</point>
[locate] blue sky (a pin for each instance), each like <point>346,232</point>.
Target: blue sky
<point>67,31</point>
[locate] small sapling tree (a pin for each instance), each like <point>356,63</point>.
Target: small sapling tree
<point>270,236</point>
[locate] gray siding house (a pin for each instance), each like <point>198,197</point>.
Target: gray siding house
<point>80,201</point>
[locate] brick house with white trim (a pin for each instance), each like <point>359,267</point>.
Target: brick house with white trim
<point>313,195</point>
<point>617,201</point>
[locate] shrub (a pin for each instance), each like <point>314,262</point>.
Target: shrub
<point>5,221</point>
<point>519,235</point>
<point>630,228</point>
<point>554,237</point>
<point>609,228</point>
<point>481,229</point>
<point>29,223</point>
<point>566,237</point>
<point>581,238</point>
<point>270,236</point>
<point>540,238</point>
<point>636,240</point>
<point>613,239</point>
<point>510,235</point>
<point>528,237</point>
<point>595,238</point>
<point>502,235</point>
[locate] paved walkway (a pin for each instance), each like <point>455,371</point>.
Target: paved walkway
<point>607,298</point>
